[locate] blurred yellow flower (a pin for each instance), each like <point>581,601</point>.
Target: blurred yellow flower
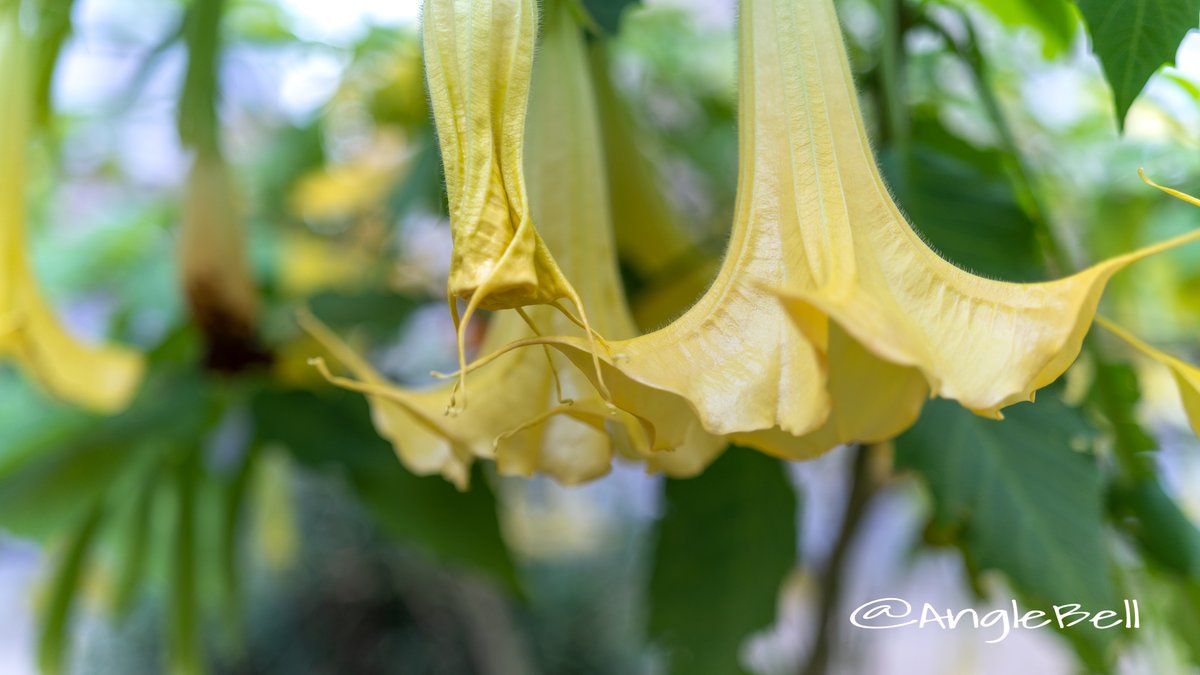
<point>309,264</point>
<point>353,187</point>
<point>215,266</point>
<point>102,378</point>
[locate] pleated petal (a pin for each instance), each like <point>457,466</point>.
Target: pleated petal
<point>984,343</point>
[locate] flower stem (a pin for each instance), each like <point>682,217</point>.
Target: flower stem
<point>866,478</point>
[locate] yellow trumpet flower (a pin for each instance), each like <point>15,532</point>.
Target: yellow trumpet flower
<point>817,237</point>
<point>984,343</point>
<point>536,417</point>
<point>479,62</point>
<point>102,378</point>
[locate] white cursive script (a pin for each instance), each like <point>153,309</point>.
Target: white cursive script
<point>889,613</point>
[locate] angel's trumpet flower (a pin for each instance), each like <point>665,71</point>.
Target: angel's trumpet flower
<point>815,227</point>
<point>984,343</point>
<point>536,417</point>
<point>479,61</point>
<point>102,378</point>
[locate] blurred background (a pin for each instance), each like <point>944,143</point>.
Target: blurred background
<point>244,518</point>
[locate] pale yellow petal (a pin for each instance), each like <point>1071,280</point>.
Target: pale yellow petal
<point>479,65</point>
<point>982,342</point>
<point>1186,376</point>
<point>103,378</point>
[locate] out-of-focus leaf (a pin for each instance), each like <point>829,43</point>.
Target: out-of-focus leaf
<point>959,200</point>
<point>184,646</point>
<point>334,431</point>
<point>423,186</point>
<point>232,506</point>
<point>1114,395</point>
<point>1183,610</point>
<point>607,13</point>
<point>56,619</point>
<point>1133,38</point>
<point>1159,526</point>
<point>134,544</point>
<point>49,482</point>
<point>54,25</point>
<point>1020,497</point>
<point>295,152</point>
<point>1053,20</point>
<point>379,312</point>
<point>261,22</point>
<point>725,544</point>
<point>1137,501</point>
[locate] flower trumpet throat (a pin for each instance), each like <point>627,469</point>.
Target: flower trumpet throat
<point>479,64</point>
<point>102,378</point>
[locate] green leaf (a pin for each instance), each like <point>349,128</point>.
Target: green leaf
<point>233,497</point>
<point>334,431</point>
<point>1052,19</point>
<point>1114,395</point>
<point>184,637</point>
<point>54,27</point>
<point>1133,38</point>
<point>1162,530</point>
<point>379,313</point>
<point>1182,611</point>
<point>725,544</point>
<point>135,544</point>
<point>959,200</point>
<point>50,478</point>
<point>1020,497</point>
<point>56,620</point>
<point>607,13</point>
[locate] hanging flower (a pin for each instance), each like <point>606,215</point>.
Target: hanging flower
<point>538,414</point>
<point>479,62</point>
<point>818,245</point>
<point>217,281</point>
<point>102,378</point>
